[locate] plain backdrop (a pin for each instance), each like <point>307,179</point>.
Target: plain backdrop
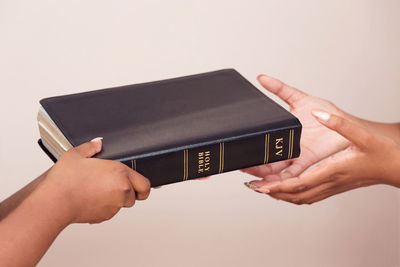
<point>344,51</point>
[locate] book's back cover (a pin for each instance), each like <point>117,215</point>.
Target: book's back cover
<point>153,118</point>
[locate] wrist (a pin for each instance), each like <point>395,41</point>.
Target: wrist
<point>54,203</point>
<point>392,169</point>
<point>33,226</point>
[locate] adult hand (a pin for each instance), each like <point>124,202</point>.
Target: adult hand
<point>370,159</point>
<point>317,142</point>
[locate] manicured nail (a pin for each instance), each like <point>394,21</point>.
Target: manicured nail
<point>262,77</point>
<point>96,139</point>
<point>249,185</point>
<point>262,190</point>
<point>321,115</point>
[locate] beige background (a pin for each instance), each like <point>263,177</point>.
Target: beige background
<point>344,51</point>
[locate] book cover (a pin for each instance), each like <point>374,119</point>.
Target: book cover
<point>176,129</point>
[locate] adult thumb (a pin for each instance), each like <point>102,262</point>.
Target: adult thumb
<point>350,130</point>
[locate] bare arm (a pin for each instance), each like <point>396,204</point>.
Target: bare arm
<point>32,227</point>
<point>363,163</point>
<point>317,142</point>
<point>391,130</point>
<point>9,204</point>
<point>78,189</point>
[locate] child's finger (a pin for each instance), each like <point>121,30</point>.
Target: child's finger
<point>140,184</point>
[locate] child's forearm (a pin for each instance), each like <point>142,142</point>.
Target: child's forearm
<point>77,189</point>
<point>28,231</point>
<point>9,204</point>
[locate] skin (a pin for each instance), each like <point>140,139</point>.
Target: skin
<point>363,163</point>
<point>77,189</point>
<point>325,142</point>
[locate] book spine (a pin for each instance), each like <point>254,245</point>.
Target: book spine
<point>218,158</point>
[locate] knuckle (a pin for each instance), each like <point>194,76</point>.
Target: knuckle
<point>125,188</point>
<point>296,200</point>
<point>368,138</point>
<point>68,154</point>
<point>130,203</point>
<point>123,185</point>
<point>122,200</point>
<point>144,195</point>
<point>288,173</point>
<point>147,185</point>
<point>268,168</point>
<point>330,103</point>
<point>123,192</point>
<point>308,202</point>
<point>91,148</point>
<point>300,199</point>
<point>301,187</point>
<point>339,123</point>
<point>291,98</point>
<point>144,183</point>
<point>119,169</point>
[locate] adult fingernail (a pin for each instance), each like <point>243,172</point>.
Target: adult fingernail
<point>321,115</point>
<point>249,185</point>
<point>262,190</point>
<point>266,189</point>
<point>263,77</point>
<point>96,139</point>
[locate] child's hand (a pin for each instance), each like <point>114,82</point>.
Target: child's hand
<point>94,190</point>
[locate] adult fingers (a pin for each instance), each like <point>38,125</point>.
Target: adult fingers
<point>287,93</point>
<point>320,192</point>
<point>350,130</point>
<point>264,170</point>
<point>325,195</point>
<point>323,172</point>
<point>268,180</point>
<point>202,178</point>
<point>315,194</point>
<point>292,170</point>
<point>295,169</point>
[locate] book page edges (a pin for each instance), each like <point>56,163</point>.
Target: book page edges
<point>53,139</point>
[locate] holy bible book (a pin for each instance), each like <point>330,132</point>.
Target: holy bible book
<point>174,130</point>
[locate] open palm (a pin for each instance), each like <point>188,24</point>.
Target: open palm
<point>317,142</point>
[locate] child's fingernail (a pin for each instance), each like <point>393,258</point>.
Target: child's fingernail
<point>96,139</point>
<point>321,115</point>
<point>249,185</point>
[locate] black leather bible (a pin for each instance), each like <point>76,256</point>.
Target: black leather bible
<point>177,129</point>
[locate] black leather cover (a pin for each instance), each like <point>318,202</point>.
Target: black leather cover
<point>146,123</point>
